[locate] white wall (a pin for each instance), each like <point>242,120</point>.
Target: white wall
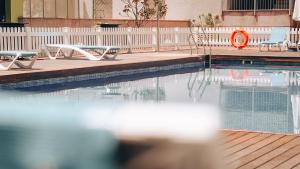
<point>180,9</point>
<point>86,9</point>
<point>191,9</point>
<point>117,7</point>
<point>277,20</point>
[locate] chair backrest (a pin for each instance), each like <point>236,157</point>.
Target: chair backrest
<point>278,34</point>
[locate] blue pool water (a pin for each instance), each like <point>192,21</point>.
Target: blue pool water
<point>249,99</point>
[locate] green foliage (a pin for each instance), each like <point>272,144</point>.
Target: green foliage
<point>142,10</point>
<point>207,20</point>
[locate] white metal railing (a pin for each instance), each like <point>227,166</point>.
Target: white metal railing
<point>127,38</point>
<point>256,5</point>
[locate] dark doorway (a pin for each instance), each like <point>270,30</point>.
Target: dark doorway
<point>2,10</point>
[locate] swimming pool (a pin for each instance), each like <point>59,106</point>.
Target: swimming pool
<point>258,99</point>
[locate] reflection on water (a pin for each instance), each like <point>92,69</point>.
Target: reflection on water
<point>260,100</point>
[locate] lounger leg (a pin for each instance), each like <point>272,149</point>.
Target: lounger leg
<point>259,47</point>
<point>75,49</point>
<point>46,50</point>
<point>104,54</point>
<point>57,53</point>
<point>29,66</point>
<point>113,56</point>
<point>86,54</point>
<point>2,67</point>
<point>70,54</point>
<point>279,47</point>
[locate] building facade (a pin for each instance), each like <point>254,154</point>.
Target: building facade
<point>231,12</point>
<point>257,12</point>
<point>68,9</point>
<point>180,9</point>
<point>11,10</point>
<point>89,12</point>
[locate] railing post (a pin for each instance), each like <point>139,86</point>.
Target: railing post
<point>290,7</point>
<point>28,41</point>
<point>99,36</point>
<point>66,37</point>
<point>254,10</point>
<point>288,38</point>
<point>176,38</point>
<point>154,39</point>
<point>1,46</point>
<point>129,39</point>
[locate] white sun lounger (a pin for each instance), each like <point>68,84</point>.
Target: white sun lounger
<point>103,51</point>
<point>13,56</point>
<point>298,46</point>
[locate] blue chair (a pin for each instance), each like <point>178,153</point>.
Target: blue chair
<point>277,38</point>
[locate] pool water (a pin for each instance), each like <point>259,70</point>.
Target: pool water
<point>249,99</point>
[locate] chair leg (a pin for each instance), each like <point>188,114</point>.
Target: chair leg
<point>2,67</point>
<point>105,56</point>
<point>47,52</point>
<point>69,56</point>
<point>259,47</point>
<point>279,47</point>
<point>29,66</point>
<point>104,53</point>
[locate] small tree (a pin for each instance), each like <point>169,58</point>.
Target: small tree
<point>143,10</point>
<point>207,20</point>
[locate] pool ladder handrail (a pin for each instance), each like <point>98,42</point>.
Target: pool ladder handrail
<point>198,34</point>
<point>202,86</point>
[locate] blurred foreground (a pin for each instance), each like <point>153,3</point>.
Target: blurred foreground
<point>54,134</point>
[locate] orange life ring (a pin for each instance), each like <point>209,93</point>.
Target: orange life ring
<point>239,45</point>
<point>239,76</point>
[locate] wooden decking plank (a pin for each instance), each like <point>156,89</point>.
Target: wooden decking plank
<point>239,140</point>
<point>281,154</point>
<point>281,158</point>
<point>291,163</point>
<point>253,148</point>
<point>234,136</point>
<point>225,134</point>
<point>255,155</point>
<point>274,153</point>
<point>246,144</point>
<point>297,166</point>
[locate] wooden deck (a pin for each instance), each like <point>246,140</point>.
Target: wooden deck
<point>235,150</point>
<point>245,150</point>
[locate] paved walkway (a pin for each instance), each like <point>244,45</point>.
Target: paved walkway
<point>44,64</point>
<point>44,67</point>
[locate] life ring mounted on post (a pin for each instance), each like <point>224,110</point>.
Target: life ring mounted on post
<point>239,43</point>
